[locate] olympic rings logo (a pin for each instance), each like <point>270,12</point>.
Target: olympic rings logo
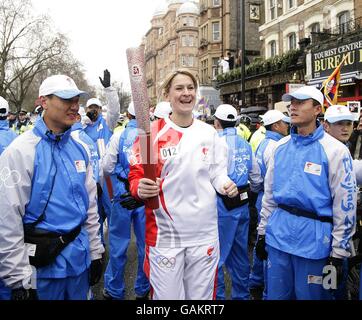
<point>164,262</point>
<point>9,178</point>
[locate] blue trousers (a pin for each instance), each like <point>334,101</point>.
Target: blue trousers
<point>5,292</point>
<point>291,277</point>
<point>119,238</point>
<point>71,288</point>
<point>233,235</point>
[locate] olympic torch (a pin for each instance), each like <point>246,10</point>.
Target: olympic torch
<point>137,75</point>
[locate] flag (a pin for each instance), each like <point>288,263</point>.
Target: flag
<point>331,84</point>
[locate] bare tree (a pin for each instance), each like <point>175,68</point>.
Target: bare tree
<point>29,51</point>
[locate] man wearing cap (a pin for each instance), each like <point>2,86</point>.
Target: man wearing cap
<point>277,127</point>
<point>100,131</point>
<point>125,210</point>
<point>233,214</point>
<point>338,122</point>
<point>162,110</point>
<point>23,124</point>
<point>6,135</point>
<point>308,210</point>
<point>48,210</point>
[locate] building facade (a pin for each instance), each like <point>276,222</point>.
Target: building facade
<point>171,43</point>
<point>294,34</point>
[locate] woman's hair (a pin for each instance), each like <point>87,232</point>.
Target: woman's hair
<point>167,82</point>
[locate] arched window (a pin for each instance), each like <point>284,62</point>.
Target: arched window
<point>315,27</point>
<point>343,19</point>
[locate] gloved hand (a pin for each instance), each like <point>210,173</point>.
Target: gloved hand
<point>260,251</point>
<point>23,294</point>
<point>130,203</point>
<point>106,81</point>
<point>338,264</point>
<point>95,271</point>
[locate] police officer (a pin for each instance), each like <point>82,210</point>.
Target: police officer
<point>233,214</point>
<point>48,211</point>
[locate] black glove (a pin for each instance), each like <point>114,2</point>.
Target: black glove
<point>130,203</point>
<point>338,264</point>
<point>260,248</point>
<point>96,270</point>
<point>23,294</point>
<point>106,81</point>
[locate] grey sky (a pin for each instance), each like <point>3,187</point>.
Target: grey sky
<point>100,31</point>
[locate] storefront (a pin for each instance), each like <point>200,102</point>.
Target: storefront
<point>325,60</point>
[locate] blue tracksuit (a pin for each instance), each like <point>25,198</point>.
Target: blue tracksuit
<point>100,133</point>
<point>234,224</point>
<point>116,161</point>
<point>257,274</point>
<point>51,176</point>
<point>6,137</point>
<point>313,173</point>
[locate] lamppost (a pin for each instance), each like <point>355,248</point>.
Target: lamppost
<point>242,34</point>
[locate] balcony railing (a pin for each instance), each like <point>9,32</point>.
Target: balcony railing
<point>341,29</point>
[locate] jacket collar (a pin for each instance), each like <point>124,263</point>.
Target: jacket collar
<point>42,130</point>
<point>273,135</point>
<point>317,134</point>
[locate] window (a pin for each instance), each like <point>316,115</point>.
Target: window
<point>216,3</point>
<point>215,67</point>
<point>204,71</point>
<point>290,4</point>
<point>216,31</point>
<point>343,19</point>
<point>315,27</point>
<point>187,41</point>
<point>160,31</point>
<point>292,41</point>
<point>273,48</point>
<point>204,31</point>
<point>187,61</point>
<point>272,9</point>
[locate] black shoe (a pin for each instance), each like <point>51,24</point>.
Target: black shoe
<point>106,295</point>
<point>256,293</point>
<point>144,297</point>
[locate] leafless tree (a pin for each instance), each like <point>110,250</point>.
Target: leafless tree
<point>29,51</point>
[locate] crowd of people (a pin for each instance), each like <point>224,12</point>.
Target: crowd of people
<point>73,174</point>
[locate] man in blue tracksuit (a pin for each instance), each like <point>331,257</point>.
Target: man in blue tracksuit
<point>308,211</point>
<point>234,217</point>
<point>276,125</point>
<point>125,211</point>
<point>48,210</point>
<point>100,131</point>
<point>6,137</point>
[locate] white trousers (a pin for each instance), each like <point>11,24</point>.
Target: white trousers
<point>183,273</point>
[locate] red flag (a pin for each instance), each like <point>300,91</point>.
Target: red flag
<point>331,84</point>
